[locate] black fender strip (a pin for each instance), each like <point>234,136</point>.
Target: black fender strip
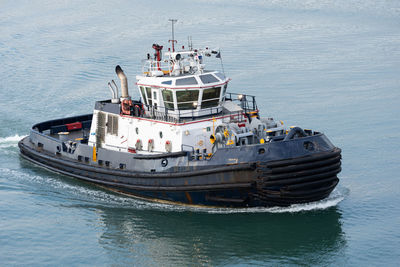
<point>304,193</point>
<point>319,156</point>
<point>304,166</point>
<point>302,179</point>
<point>302,173</point>
<point>309,185</point>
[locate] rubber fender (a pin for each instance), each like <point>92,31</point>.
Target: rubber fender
<point>293,132</point>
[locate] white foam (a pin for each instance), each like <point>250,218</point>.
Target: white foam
<point>9,142</point>
<point>60,186</point>
<point>8,145</point>
<point>11,139</point>
<point>335,197</point>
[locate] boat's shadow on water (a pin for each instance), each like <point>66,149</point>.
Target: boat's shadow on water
<point>156,234</point>
<point>201,238</point>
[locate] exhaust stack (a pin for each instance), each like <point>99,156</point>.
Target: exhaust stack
<point>124,82</point>
<point>114,92</point>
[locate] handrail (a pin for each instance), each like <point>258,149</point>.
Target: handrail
<point>177,115</point>
<point>153,65</point>
<point>42,126</point>
<point>246,102</point>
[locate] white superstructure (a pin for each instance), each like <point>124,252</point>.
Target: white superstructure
<point>183,106</point>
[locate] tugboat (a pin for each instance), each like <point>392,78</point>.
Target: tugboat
<point>187,141</point>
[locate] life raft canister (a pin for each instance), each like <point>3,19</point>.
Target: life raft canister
<point>150,145</point>
<point>168,146</point>
<point>138,145</point>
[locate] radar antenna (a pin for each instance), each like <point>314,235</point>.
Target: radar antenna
<point>173,21</point>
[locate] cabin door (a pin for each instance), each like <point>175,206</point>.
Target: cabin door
<point>156,98</point>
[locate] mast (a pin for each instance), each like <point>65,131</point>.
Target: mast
<point>173,38</point>
<point>158,49</point>
<point>190,43</point>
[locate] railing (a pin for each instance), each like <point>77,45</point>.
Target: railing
<point>178,116</point>
<point>187,116</point>
<point>246,102</point>
<point>47,125</point>
<point>185,65</point>
<point>149,66</point>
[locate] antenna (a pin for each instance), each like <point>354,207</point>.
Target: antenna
<point>220,58</point>
<point>190,43</point>
<point>173,21</point>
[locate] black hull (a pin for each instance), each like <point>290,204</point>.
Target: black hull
<point>273,183</point>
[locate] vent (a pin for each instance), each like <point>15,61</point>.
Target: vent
<point>100,129</point>
<point>112,124</point>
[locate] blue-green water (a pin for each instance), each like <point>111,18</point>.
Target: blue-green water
<point>329,66</point>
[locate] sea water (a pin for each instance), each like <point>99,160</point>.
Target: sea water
<point>329,66</point>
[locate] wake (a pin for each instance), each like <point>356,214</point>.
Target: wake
<point>10,141</point>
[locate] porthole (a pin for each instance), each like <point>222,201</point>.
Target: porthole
<point>164,162</point>
<point>261,151</point>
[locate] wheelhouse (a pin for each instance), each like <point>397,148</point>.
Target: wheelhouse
<point>190,95</point>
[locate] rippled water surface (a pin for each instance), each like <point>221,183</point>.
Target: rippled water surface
<point>333,67</point>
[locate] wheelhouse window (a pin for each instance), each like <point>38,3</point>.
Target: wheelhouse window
<point>186,99</point>
<point>224,91</point>
<point>168,99</point>
<point>186,81</point>
<point>208,78</point>
<point>143,92</point>
<point>211,97</point>
<point>220,75</point>
<point>148,93</point>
